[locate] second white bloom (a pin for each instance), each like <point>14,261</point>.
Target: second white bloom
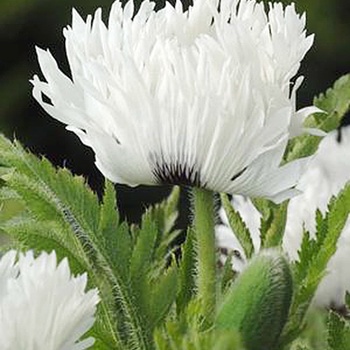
<point>327,174</point>
<point>42,307</point>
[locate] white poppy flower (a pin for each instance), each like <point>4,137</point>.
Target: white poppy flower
<point>43,307</point>
<point>201,97</point>
<point>326,175</point>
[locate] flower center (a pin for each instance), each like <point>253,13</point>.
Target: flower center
<point>177,173</point>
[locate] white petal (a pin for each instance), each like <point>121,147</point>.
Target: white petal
<point>327,173</point>
<point>43,307</point>
<point>191,97</point>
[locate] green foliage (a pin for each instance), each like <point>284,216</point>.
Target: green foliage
<point>184,333</point>
<point>238,226</point>
<point>313,259</point>
<point>310,248</point>
<point>173,339</point>
<point>273,222</point>
<point>163,294</point>
<point>338,332</point>
<point>335,103</point>
<point>300,346</point>
<point>228,274</point>
<point>58,211</point>
<point>164,216</point>
<point>187,273</point>
<point>326,330</point>
<point>315,253</point>
<point>335,100</point>
<point>149,286</point>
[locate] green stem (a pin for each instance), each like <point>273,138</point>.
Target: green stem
<point>204,229</point>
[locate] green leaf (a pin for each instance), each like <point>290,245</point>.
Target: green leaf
<point>45,236</point>
<point>313,259</point>
<point>338,336</point>
<point>187,284</point>
<point>164,216</point>
<point>273,224</point>
<point>338,211</point>
<point>300,345</point>
<point>143,251</point>
<point>181,334</point>
<point>115,237</point>
<point>228,274</point>
<point>238,226</point>
<point>109,216</point>
<point>41,206</point>
<point>336,99</point>
<point>77,226</point>
<point>335,102</point>
<point>309,248</point>
<point>10,205</point>
<point>163,294</point>
<point>165,213</point>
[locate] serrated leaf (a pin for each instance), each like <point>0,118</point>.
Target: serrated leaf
<point>338,211</point>
<point>187,271</point>
<point>140,267</point>
<point>143,250</point>
<point>181,336</point>
<point>165,215</point>
<point>309,248</point>
<point>166,212</point>
<point>336,99</point>
<point>228,274</point>
<point>335,102</point>
<point>264,206</point>
<point>115,236</point>
<point>238,226</point>
<point>162,296</point>
<point>52,195</point>
<point>272,228</point>
<point>109,216</point>
<point>45,236</point>
<point>314,257</point>
<point>338,332</point>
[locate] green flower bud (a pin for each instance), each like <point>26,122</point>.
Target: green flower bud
<point>258,302</point>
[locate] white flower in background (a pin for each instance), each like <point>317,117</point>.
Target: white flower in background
<point>43,307</point>
<point>327,174</point>
<point>228,242</point>
<point>201,97</point>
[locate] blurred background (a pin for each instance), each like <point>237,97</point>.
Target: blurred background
<point>27,23</point>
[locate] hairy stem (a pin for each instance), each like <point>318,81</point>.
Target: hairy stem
<point>204,229</point>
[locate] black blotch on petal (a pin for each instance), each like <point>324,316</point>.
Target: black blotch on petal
<point>176,173</point>
<point>236,176</point>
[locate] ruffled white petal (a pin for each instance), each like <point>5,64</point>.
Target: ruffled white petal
<point>42,307</point>
<point>326,175</point>
<point>197,96</point>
